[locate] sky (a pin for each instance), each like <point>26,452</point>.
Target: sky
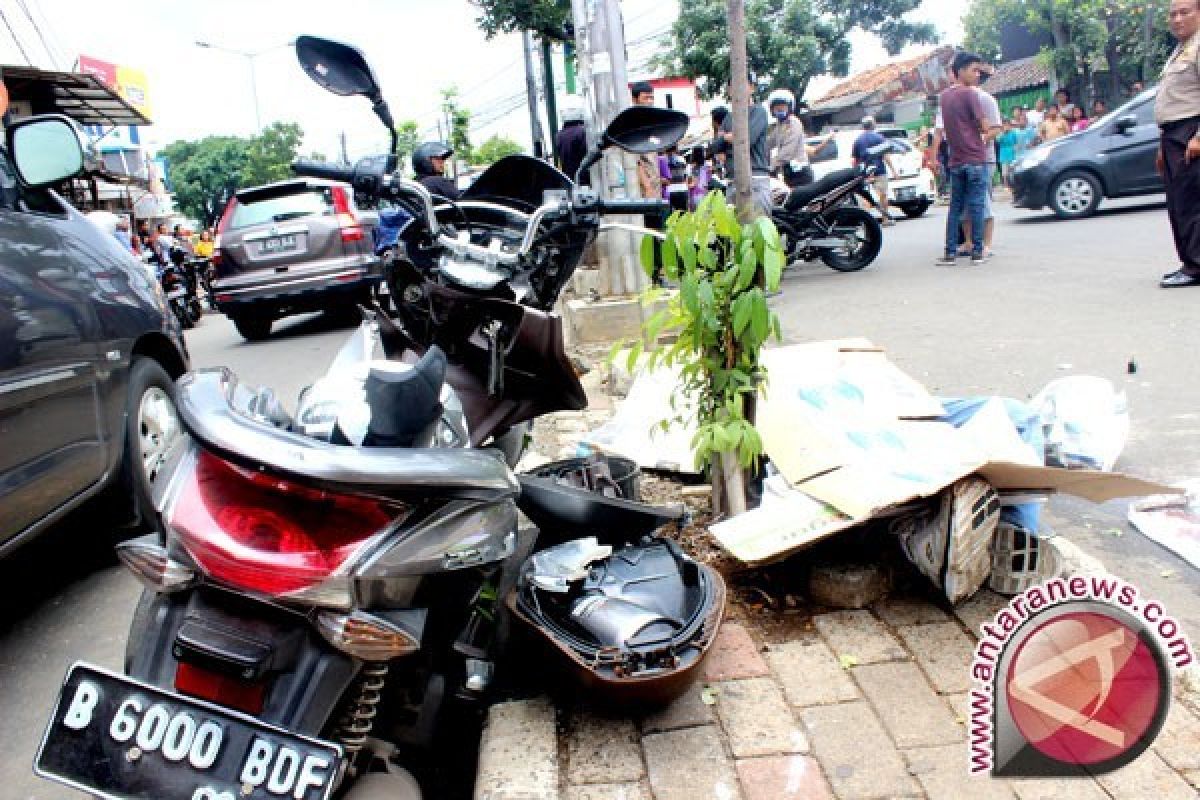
<point>417,48</point>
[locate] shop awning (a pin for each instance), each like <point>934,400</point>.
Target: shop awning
<point>81,97</point>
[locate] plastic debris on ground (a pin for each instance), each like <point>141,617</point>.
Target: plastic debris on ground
<point>1086,422</point>
<point>1172,520</point>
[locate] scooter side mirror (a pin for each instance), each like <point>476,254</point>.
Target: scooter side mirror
<point>336,67</point>
<point>343,70</point>
<point>645,129</point>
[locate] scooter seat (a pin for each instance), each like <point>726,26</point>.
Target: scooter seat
<point>801,196</point>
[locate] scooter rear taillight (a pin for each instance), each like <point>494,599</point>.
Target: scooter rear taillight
<point>271,535</point>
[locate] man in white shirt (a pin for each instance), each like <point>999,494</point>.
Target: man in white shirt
<point>1036,114</point>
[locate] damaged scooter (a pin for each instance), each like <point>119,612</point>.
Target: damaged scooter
<point>333,585</point>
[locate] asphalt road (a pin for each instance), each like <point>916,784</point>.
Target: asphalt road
<point>1059,298</point>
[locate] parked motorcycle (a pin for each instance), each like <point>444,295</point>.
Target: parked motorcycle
<point>820,220</point>
<point>189,269</point>
<point>174,284</point>
<point>333,584</point>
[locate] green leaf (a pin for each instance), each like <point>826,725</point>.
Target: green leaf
<point>687,291</point>
<point>760,321</point>
<point>741,314</point>
<point>635,353</point>
<point>669,259</point>
<point>748,268</point>
<point>773,262</point>
<point>775,326</point>
<point>647,255</point>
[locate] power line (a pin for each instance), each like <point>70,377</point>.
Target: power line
<point>38,31</point>
<point>13,34</point>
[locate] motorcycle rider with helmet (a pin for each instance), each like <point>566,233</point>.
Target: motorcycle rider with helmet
<point>429,165</point>
<point>786,140</point>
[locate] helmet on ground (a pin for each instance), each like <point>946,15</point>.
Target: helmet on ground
<point>572,111</point>
<point>422,162</point>
<point>782,96</point>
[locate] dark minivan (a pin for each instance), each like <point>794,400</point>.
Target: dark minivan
<point>88,350</point>
<point>1113,157</point>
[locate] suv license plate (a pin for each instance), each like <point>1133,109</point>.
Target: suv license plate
<point>278,244</point>
<point>118,738</point>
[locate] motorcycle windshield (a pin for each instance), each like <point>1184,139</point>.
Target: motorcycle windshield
<point>518,182</point>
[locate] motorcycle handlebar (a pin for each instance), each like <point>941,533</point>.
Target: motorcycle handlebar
<point>321,169</point>
<point>633,206</point>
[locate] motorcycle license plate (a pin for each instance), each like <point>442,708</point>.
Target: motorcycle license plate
<point>118,738</point>
<point>278,244</point>
<point>907,193</point>
<point>175,294</point>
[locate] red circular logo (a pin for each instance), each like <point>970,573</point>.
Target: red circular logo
<point>1084,688</point>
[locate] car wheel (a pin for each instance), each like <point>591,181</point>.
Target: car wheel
<point>1075,195</point>
<point>253,329</point>
<point>914,210</point>
<point>153,431</point>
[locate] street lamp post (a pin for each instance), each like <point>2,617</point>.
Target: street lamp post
<point>249,56</point>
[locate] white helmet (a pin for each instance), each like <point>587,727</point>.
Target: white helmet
<point>572,110</point>
<point>781,96</point>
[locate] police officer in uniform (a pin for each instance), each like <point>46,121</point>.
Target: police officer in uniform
<point>1177,111</point>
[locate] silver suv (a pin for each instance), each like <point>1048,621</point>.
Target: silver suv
<point>288,248</point>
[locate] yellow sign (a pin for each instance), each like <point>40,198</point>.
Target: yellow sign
<point>129,82</point>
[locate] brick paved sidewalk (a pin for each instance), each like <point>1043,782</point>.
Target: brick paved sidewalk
<point>870,704</point>
<point>873,705</point>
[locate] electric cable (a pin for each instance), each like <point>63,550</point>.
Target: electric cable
<point>38,31</point>
<point>13,34</point>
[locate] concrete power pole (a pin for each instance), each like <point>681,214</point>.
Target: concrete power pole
<point>531,93</point>
<point>600,43</point>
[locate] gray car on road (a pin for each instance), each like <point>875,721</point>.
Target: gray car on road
<point>288,248</point>
<point>88,350</point>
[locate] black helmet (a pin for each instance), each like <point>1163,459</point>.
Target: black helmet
<point>421,163</point>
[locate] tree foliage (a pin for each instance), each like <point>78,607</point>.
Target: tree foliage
<point>1098,45</point>
<point>550,19</point>
<point>787,41</point>
<point>407,139</point>
<point>205,173</point>
<point>725,270</point>
<point>459,120</point>
<point>271,153</point>
<point>495,148</point>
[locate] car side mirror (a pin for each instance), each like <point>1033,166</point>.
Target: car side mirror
<point>45,149</point>
<point>1126,123</point>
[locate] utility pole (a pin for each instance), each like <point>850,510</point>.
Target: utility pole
<point>600,42</point>
<point>551,100</point>
<point>535,123</point>
<point>345,154</point>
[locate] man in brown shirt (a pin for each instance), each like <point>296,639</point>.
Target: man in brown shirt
<point>1177,112</point>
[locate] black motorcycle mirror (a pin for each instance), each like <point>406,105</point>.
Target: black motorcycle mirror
<point>638,129</point>
<point>343,70</point>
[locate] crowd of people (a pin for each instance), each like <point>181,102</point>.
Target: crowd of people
<point>158,240</point>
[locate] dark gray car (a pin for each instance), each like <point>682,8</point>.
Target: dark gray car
<point>291,247</point>
<point>88,350</point>
<point>1114,157</point>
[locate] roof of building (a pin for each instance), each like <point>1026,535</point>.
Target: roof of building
<point>872,80</point>
<point>81,97</point>
<point>1012,76</point>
